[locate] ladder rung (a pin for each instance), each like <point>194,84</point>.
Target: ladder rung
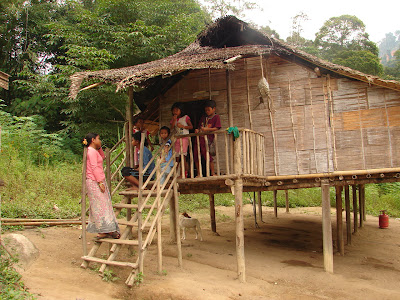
<point>110,262</point>
<point>144,193</point>
<point>120,242</point>
<point>134,206</point>
<point>130,223</point>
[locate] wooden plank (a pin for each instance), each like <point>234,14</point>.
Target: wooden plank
<point>109,262</point>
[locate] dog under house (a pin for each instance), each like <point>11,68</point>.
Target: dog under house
<point>295,121</point>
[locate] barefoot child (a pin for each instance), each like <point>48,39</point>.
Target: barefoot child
<point>132,174</point>
<point>166,153</point>
<point>209,123</point>
<point>181,124</point>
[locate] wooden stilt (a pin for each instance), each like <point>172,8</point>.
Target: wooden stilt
<point>348,217</point>
<point>159,241</point>
<point>172,219</point>
<point>212,213</point>
<point>275,204</point>
<point>363,201</point>
<point>339,220</point>
<point>259,206</point>
<point>361,206</point>
<point>326,227</point>
<point>176,223</point>
<point>287,200</point>
<point>355,209</point>
<point>83,201</point>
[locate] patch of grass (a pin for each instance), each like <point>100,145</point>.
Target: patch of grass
<point>139,278</point>
<point>11,286</point>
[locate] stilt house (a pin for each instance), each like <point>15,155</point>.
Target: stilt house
<point>303,123</point>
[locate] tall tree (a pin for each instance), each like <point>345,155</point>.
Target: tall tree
<point>343,40</point>
<point>221,8</point>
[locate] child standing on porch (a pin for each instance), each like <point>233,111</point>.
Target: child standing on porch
<point>209,123</point>
<point>166,153</point>
<point>181,124</point>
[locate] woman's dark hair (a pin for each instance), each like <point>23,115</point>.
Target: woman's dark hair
<point>138,137</point>
<point>166,128</point>
<point>89,138</point>
<point>178,105</point>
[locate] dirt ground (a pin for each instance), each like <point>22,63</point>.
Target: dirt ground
<point>283,261</point>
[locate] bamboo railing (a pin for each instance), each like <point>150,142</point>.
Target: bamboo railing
<point>252,158</point>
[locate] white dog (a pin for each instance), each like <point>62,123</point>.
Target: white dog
<point>187,221</point>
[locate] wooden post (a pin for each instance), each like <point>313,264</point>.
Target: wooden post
<point>200,167</point>
<point>128,141</point>
<point>83,201</point>
<point>339,220</point>
<point>238,186</point>
<point>130,124</point>
<point>191,158</point>
<point>159,242</point>
<point>217,154</point>
<point>140,201</point>
<point>326,227</point>
<point>108,169</point>
<point>176,221</point>
<point>259,206</point>
<point>229,97</point>
<point>212,212</point>
<point>361,205</point>
<point>275,203</point>
<point>287,200</point>
<point>348,217</point>
<point>363,201</point>
<point>355,209</point>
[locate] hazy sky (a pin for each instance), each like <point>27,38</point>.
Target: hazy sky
<point>379,17</point>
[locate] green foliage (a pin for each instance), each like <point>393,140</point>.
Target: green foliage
<point>388,46</point>
<point>139,278</point>
<point>109,276</point>
<point>392,70</point>
<point>11,286</point>
<point>221,8</point>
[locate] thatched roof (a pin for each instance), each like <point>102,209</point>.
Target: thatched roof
<point>226,38</point>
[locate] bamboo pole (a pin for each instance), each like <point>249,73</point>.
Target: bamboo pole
<point>140,200</point>
<point>191,158</point>
<point>339,220</point>
<point>348,217</point>
<point>229,97</point>
<point>388,129</point>
<point>108,168</point>
<point>248,94</point>
<point>128,142</point>
<point>208,172</point>
<point>226,153</point>
<point>275,203</point>
<point>274,142</point>
<point>200,167</point>
<point>333,138</point>
<point>363,200</point>
<point>293,128</point>
<point>326,227</point>
<point>287,200</point>
<point>159,242</point>
<point>245,152</point>
<point>327,135</point>
<point>217,154</point>
<point>83,201</point>
<point>313,124</point>
<point>259,206</point>
<point>176,217</point>
<point>182,159</point>
<point>130,124</point>
<point>355,209</point>
<point>238,187</point>
<point>172,212</point>
<point>361,131</point>
<point>48,223</point>
<point>212,212</point>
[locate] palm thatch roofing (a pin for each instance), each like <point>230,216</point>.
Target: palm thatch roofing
<point>226,38</point>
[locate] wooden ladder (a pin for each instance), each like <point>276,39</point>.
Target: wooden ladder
<point>140,228</point>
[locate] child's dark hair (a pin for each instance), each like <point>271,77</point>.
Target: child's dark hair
<point>88,138</point>
<point>138,137</point>
<point>136,119</point>
<point>178,105</point>
<point>166,128</point>
<point>210,103</point>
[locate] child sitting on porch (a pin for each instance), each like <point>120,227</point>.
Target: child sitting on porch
<point>181,123</point>
<point>209,123</point>
<point>132,174</point>
<point>166,153</point>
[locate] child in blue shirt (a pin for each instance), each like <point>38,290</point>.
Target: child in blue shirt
<point>132,174</point>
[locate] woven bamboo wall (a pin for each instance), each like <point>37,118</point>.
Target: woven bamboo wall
<point>321,124</point>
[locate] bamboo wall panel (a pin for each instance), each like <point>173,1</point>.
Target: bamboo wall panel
<point>365,120</point>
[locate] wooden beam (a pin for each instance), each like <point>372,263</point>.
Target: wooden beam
<point>339,220</point>
<point>287,200</point>
<point>229,97</point>
<point>326,227</point>
<point>355,209</point>
<point>275,204</point>
<point>260,217</point>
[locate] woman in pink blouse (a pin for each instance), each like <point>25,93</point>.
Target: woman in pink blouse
<point>101,214</point>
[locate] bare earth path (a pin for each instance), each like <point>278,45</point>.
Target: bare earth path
<point>283,261</point>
